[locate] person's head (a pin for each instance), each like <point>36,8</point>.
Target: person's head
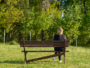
<point>60,31</point>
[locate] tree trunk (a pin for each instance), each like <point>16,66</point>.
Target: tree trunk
<point>7,37</point>
<point>85,7</point>
<point>43,34</point>
<point>35,36</point>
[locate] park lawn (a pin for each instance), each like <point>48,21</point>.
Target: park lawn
<point>12,57</point>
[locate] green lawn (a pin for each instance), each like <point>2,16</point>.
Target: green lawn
<point>12,57</point>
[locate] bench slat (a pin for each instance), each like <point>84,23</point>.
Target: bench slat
<point>43,51</point>
<point>44,57</point>
<point>43,44</point>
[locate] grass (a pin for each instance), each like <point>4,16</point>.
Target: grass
<point>12,57</point>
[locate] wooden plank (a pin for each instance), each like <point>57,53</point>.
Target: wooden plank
<point>43,43</point>
<point>37,42</point>
<point>44,57</point>
<point>42,46</point>
<point>43,51</point>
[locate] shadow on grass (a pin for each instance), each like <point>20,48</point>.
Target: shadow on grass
<point>55,62</point>
<point>13,62</point>
<point>22,62</point>
<point>42,62</point>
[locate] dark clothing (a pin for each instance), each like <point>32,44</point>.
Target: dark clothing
<point>58,56</point>
<point>59,37</point>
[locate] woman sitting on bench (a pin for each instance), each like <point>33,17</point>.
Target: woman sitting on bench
<point>59,36</point>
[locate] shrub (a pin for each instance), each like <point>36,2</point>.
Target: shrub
<point>13,43</point>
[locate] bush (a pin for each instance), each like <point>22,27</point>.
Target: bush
<point>13,43</point>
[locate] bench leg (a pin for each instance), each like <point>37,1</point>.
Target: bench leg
<point>25,57</point>
<point>25,62</point>
<point>64,59</point>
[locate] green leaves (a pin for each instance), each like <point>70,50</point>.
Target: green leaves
<point>23,16</point>
<point>10,14</point>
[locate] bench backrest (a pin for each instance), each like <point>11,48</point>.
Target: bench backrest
<point>44,43</point>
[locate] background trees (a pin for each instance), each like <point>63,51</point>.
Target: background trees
<point>43,18</point>
<point>9,17</point>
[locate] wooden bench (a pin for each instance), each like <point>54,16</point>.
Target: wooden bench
<point>43,44</point>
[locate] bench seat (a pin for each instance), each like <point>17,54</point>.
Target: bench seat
<point>43,51</point>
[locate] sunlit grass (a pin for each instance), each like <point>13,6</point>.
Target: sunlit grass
<point>12,57</point>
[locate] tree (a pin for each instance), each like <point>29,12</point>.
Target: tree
<point>9,15</point>
<point>70,22</point>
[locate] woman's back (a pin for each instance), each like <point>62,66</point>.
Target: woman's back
<point>60,37</point>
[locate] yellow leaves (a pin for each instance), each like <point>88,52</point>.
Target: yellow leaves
<point>10,2</point>
<point>59,14</point>
<point>63,10</point>
<point>15,2</point>
<point>72,5</point>
<point>11,7</point>
<point>1,14</point>
<point>22,13</point>
<point>52,9</point>
<point>2,8</point>
<point>9,25</point>
<point>10,14</point>
<point>57,2</point>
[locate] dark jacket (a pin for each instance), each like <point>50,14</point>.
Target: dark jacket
<point>59,37</point>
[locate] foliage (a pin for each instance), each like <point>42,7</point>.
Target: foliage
<point>9,14</point>
<point>19,17</point>
<point>13,43</point>
<point>69,22</point>
<point>84,37</point>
